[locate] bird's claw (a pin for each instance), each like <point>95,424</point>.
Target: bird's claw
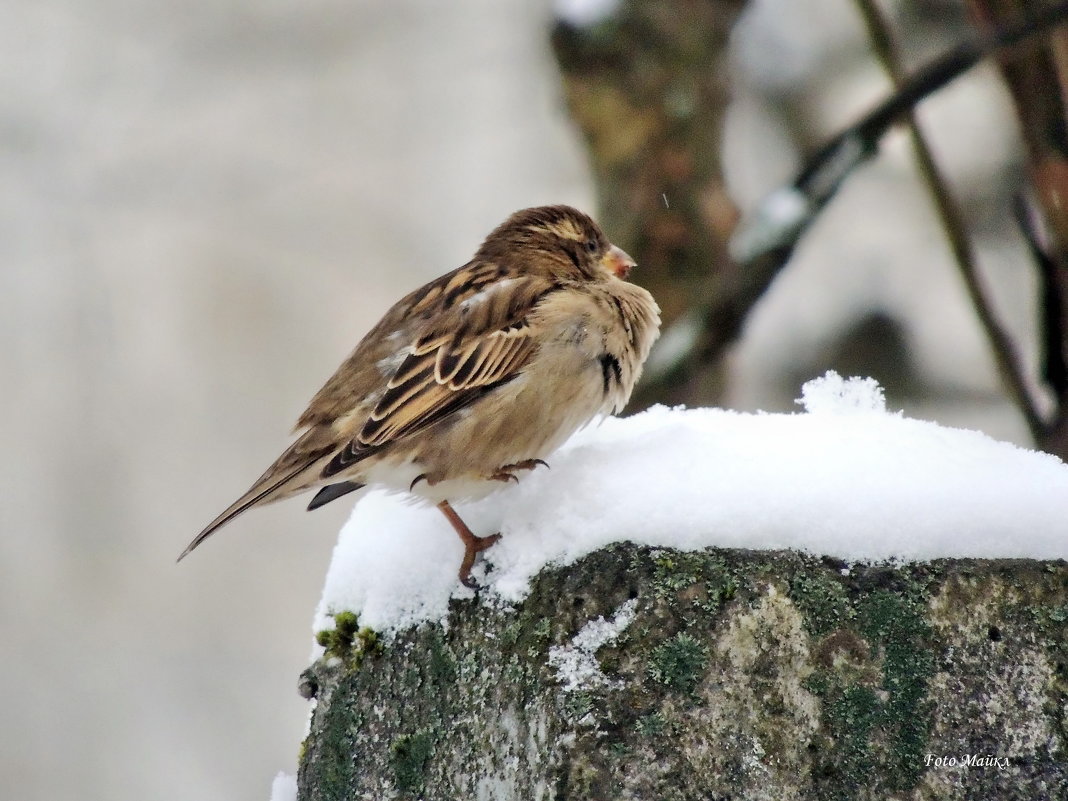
<point>507,472</point>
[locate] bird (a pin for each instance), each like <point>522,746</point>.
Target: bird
<point>476,377</point>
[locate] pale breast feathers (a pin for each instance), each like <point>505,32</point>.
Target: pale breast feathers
<point>627,344</point>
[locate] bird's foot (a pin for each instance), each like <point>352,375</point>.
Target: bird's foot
<point>507,472</point>
<point>473,545</point>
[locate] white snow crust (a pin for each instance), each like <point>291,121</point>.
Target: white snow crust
<point>843,478</point>
<point>284,787</point>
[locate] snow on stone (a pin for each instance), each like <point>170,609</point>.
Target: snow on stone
<point>576,663</point>
<point>844,478</point>
<point>284,788</point>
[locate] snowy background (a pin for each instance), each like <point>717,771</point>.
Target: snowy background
<point>203,206</point>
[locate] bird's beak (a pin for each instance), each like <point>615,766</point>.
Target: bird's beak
<point>616,261</point>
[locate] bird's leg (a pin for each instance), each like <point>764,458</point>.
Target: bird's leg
<point>472,544</point>
<point>507,472</point>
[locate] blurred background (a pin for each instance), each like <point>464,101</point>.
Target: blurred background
<point>204,205</point>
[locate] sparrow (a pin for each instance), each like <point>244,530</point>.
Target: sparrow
<point>475,377</point>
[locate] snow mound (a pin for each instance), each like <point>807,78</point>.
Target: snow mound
<point>845,478</point>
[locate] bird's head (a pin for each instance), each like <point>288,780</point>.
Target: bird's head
<point>558,241</point>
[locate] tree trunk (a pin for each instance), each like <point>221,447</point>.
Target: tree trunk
<point>648,88</point>
<point>639,673</point>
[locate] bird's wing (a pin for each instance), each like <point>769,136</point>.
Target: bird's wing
<point>469,349</point>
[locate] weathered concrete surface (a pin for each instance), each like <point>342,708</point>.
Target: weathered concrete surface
<point>741,675</point>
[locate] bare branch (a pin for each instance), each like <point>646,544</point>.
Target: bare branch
<point>1051,357</point>
<point>1005,351</point>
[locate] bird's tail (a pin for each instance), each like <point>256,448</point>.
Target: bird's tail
<point>258,494</point>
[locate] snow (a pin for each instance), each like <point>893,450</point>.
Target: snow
<point>832,394</point>
<point>843,478</point>
<point>284,788</point>
<point>575,664</point>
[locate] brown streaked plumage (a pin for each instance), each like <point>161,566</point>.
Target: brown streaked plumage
<point>476,376</point>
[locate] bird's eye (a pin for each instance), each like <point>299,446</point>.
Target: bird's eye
<point>591,245</point>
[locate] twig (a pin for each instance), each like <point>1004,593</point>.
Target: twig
<point>1006,354</point>
<point>1054,369</point>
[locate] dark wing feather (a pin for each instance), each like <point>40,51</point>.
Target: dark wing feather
<point>332,492</point>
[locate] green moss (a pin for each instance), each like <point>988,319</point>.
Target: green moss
<point>577,705</point>
<point>333,745</point>
<point>675,570</point>
<point>878,726</point>
<point>703,579</point>
<point>346,621</point>
<point>540,636</point>
<point>409,755</point>
<point>721,583</point>
<point>369,641</point>
<point>347,640</point>
<point>678,663</point>
<point>851,717</point>
<point>543,629</point>
<point>618,749</point>
<point>510,634</point>
<point>899,626</point>
<point>340,637</point>
<point>651,725</point>
<point>883,615</point>
<point>867,651</point>
<point>442,665</point>
<point>822,600</point>
<point>816,683</point>
<point>1049,619</point>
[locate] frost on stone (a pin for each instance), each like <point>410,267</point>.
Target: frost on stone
<point>576,663</point>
